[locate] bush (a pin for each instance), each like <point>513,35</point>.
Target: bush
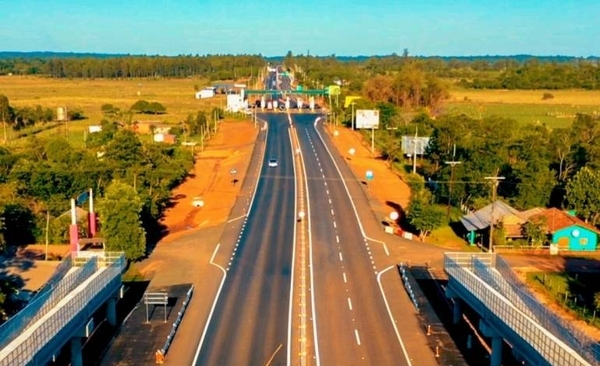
<point>547,96</point>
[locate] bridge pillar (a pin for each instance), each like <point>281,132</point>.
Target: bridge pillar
<point>457,310</point>
<point>76,354</point>
<point>497,341</point>
<point>111,311</point>
<point>496,359</point>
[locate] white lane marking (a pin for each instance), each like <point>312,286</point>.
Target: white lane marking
<point>334,225</point>
<point>327,191</point>
<point>349,303</point>
<point>337,238</point>
<point>214,304</point>
<point>330,201</point>
<point>332,213</point>
<point>386,249</point>
<point>357,336</point>
<point>341,258</point>
<point>345,279</point>
<point>387,306</point>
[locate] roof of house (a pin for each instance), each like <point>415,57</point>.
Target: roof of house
<point>557,219</point>
<point>482,218</point>
<point>531,212</point>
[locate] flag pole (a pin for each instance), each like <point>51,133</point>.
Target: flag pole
<point>73,235</point>
<point>91,217</point>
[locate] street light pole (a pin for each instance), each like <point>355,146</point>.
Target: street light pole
<point>352,116</point>
<point>452,165</point>
<point>495,180</point>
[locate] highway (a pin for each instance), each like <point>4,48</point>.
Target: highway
<point>250,323</point>
<point>353,325</point>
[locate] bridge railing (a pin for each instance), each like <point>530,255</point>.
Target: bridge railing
<point>58,325</point>
<point>554,351</point>
<point>59,273</point>
<point>44,303</point>
<point>573,337</point>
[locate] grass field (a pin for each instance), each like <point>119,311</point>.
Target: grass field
<point>177,95</point>
<point>526,106</point>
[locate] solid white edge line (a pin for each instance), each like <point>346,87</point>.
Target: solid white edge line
<point>291,299</point>
<point>362,230</point>
<point>214,305</point>
<point>312,280</point>
<point>218,294</point>
<point>387,306</point>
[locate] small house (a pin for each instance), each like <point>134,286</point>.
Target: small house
<point>497,212</point>
<point>165,138</point>
<point>206,93</point>
<point>148,127</point>
<point>568,231</point>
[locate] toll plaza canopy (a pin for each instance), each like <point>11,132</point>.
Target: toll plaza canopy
<point>304,92</point>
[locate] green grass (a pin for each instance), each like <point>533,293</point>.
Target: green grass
<point>573,292</point>
<point>177,95</point>
<point>553,115</point>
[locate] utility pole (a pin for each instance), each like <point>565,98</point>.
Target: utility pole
<point>452,165</point>
<point>495,180</point>
<point>352,116</point>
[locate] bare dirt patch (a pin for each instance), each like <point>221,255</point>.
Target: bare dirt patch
<point>211,180</point>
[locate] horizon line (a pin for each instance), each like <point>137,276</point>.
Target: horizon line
<point>295,55</point>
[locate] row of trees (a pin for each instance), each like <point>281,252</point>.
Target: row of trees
<point>515,72</point>
<point>541,167</point>
<point>536,75</point>
<point>217,67</point>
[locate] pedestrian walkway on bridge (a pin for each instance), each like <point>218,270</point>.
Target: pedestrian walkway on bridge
<point>509,312</point>
<point>62,310</point>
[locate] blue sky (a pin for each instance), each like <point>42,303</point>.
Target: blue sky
<point>323,27</point>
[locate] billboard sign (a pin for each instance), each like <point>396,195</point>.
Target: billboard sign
<point>411,144</point>
<point>367,118</point>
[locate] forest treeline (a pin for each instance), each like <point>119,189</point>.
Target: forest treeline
<point>491,72</point>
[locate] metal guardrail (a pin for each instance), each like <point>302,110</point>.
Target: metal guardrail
<point>495,308</point>
<point>407,286</point>
<point>45,337</point>
<point>180,314</point>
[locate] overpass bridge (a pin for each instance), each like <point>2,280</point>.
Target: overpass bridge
<point>509,312</point>
<point>62,311</point>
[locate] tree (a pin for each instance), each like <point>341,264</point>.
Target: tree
<point>582,194</point>
<point>535,230</point>
<point>145,107</point>
<point>4,113</point>
<point>425,216</point>
<point>125,149</point>
<point>119,211</point>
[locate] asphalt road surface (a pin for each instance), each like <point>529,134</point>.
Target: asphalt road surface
<point>352,322</point>
<point>250,324</point>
